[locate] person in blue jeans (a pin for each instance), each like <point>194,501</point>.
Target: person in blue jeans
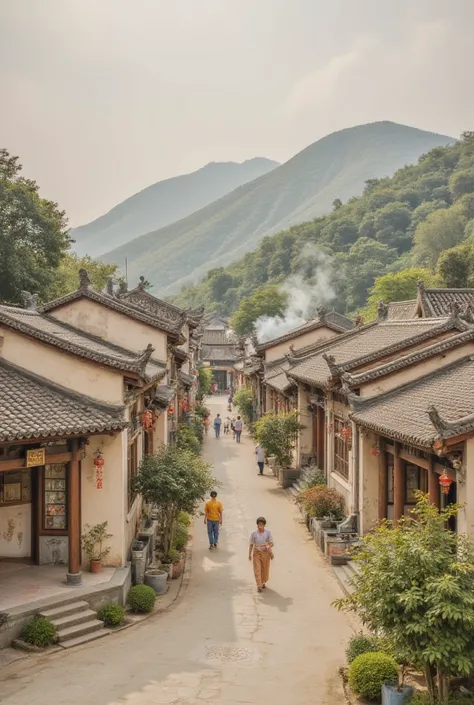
<point>213,512</point>
<point>238,429</point>
<point>217,425</point>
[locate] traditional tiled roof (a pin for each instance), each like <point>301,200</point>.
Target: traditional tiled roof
<point>275,376</point>
<point>214,353</point>
<point>402,310</point>
<point>165,311</point>
<point>33,407</point>
<point>366,344</point>
<point>412,358</point>
<point>252,367</point>
<point>410,413</point>
<point>439,302</point>
<point>163,396</point>
<point>187,380</point>
<point>53,332</point>
<point>332,320</point>
<point>218,337</point>
<point>85,291</point>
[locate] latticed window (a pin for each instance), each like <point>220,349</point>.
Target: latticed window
<point>341,449</point>
<point>132,459</point>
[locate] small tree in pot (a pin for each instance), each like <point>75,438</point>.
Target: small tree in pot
<point>92,541</point>
<point>174,480</point>
<point>277,435</point>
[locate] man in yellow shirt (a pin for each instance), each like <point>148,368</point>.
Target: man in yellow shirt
<point>213,518</point>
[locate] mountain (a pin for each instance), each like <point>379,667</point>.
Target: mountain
<point>416,225</point>
<point>304,187</point>
<point>165,202</point>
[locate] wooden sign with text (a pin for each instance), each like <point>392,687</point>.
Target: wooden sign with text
<point>35,457</point>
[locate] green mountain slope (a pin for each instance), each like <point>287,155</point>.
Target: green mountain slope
<point>165,202</point>
<point>412,219</point>
<point>304,187</point>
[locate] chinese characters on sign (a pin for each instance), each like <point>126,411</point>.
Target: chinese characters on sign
<point>35,457</point>
<point>99,478</point>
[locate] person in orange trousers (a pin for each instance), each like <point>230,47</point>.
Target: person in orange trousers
<point>261,552</point>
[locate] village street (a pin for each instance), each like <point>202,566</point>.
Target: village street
<point>223,643</point>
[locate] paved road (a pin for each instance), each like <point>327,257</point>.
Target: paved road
<point>223,644</point>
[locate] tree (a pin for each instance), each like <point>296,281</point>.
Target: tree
<point>277,434</point>
<point>398,286</point>
<point>33,234</point>
<point>205,383</point>
<point>244,400</point>
<point>265,302</point>
<point>66,277</point>
<point>173,480</point>
<point>414,586</point>
<point>440,231</point>
<point>462,182</point>
<point>456,266</point>
<point>219,282</point>
<point>336,204</point>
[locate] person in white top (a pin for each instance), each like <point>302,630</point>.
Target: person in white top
<point>261,552</point>
<point>260,458</point>
<point>238,426</point>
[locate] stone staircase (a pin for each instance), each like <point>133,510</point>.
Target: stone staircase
<point>299,484</point>
<point>76,624</point>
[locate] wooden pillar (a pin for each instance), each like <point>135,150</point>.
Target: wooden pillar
<point>74,576</point>
<point>321,438</point>
<point>398,484</point>
<point>433,485</point>
<point>383,482</point>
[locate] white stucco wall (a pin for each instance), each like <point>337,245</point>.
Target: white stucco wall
<point>275,352</point>
<point>368,483</point>
<point>466,492</point>
<point>15,531</point>
<point>79,375</point>
<point>114,327</point>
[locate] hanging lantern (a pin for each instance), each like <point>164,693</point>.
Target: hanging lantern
<point>99,473</point>
<point>345,433</point>
<point>171,409</point>
<point>445,482</point>
<point>98,460</point>
<point>375,450</point>
<point>147,419</point>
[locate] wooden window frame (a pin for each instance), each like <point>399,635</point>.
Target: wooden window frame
<point>340,450</point>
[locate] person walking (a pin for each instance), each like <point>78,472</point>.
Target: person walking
<point>238,426</point>
<point>261,552</point>
<point>213,512</point>
<point>232,427</point>
<point>217,425</point>
<point>229,403</point>
<point>206,423</point>
<point>260,458</point>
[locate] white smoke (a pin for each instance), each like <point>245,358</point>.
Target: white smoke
<point>312,286</point>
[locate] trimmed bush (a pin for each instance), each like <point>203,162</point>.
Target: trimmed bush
<point>322,501</point>
<point>112,615</point>
<point>180,537</point>
<point>369,671</point>
<point>39,632</point>
<point>361,644</point>
<point>184,519</point>
<point>174,556</point>
<point>141,598</point>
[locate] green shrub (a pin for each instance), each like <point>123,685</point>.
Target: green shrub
<point>315,479</point>
<point>368,672</point>
<point>187,440</point>
<point>141,598</point>
<point>112,615</point>
<point>184,518</point>
<point>180,536</point>
<point>321,501</point>
<point>174,556</point>
<point>39,632</point>
<point>361,644</point>
<point>197,427</point>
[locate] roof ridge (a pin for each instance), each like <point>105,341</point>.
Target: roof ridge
<point>312,324</point>
<point>365,402</point>
<point>414,356</point>
<point>451,290</point>
<point>60,389</point>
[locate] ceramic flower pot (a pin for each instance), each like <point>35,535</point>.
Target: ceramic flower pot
<point>157,580</point>
<point>96,566</point>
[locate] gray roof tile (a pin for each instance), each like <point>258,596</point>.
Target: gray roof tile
<point>439,302</point>
<point>333,320</point>
<point>403,412</point>
<point>152,305</point>
<point>402,310</point>
<point>214,353</point>
<point>33,407</point>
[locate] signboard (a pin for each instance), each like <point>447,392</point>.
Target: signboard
<point>35,457</point>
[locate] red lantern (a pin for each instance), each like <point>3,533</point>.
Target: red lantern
<point>99,475</point>
<point>171,409</point>
<point>445,482</point>
<point>98,460</point>
<point>147,419</point>
<point>375,451</point>
<point>345,433</point>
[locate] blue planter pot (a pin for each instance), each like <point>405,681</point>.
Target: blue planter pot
<point>391,696</point>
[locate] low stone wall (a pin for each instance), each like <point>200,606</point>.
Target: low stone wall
<point>115,590</point>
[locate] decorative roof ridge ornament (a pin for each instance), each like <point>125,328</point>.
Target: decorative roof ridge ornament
<point>84,280</point>
<point>30,301</point>
<point>355,402</point>
<point>110,286</point>
<point>123,287</point>
<point>144,357</point>
<point>468,314</point>
<point>321,313</point>
<point>382,311</point>
<point>454,316</point>
<point>254,339</point>
<point>334,369</point>
<point>421,285</point>
<point>142,284</point>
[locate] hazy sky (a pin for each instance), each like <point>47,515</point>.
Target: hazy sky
<point>101,98</point>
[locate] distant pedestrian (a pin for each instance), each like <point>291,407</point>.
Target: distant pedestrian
<point>238,428</point>
<point>232,427</point>
<point>260,458</point>
<point>229,404</point>
<point>217,425</point>
<point>206,423</point>
<point>213,513</point>
<point>261,550</point>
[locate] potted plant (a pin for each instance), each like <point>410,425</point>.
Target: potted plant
<point>398,694</point>
<point>156,579</point>
<point>277,435</point>
<point>92,540</point>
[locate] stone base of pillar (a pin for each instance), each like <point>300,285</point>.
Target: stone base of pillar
<point>74,579</point>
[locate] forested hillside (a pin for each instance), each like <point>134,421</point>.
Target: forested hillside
<point>304,187</point>
<point>165,202</point>
<point>410,220</point>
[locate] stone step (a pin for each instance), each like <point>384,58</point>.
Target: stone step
<point>71,620</point>
<point>63,611</point>
<point>84,639</point>
<point>343,576</point>
<point>92,625</point>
